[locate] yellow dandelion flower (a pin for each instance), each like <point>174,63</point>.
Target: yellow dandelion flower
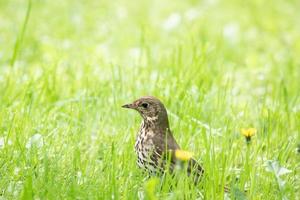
<point>183,155</point>
<point>248,133</point>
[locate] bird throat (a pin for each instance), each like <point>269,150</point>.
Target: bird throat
<point>159,121</point>
<point>154,126</point>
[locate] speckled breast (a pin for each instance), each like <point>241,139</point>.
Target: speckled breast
<point>144,149</point>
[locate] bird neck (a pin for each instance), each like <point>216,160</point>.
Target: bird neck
<point>160,122</point>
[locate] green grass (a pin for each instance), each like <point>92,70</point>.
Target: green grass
<point>66,67</point>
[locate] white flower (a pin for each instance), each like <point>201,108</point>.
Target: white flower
<point>35,141</point>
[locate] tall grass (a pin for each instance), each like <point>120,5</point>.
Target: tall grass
<point>20,37</point>
<point>218,66</point>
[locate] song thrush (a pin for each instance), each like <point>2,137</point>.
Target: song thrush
<point>155,140</point>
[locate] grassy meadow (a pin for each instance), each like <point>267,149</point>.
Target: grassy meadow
<point>66,67</point>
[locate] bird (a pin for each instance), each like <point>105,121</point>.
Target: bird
<point>155,144</point>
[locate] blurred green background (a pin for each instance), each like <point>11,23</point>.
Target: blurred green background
<point>66,67</point>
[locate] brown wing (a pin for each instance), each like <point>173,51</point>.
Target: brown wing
<point>165,148</point>
<point>165,143</point>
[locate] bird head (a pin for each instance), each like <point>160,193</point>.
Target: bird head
<point>150,108</point>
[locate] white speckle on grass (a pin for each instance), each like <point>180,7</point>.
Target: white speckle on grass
<point>172,21</point>
<point>192,14</point>
<point>226,196</point>
<point>154,76</point>
<point>103,50</point>
<point>241,114</point>
<point>211,2</point>
<point>141,195</point>
<point>194,91</point>
<point>121,12</point>
<point>261,76</point>
<point>93,136</point>
<point>231,32</point>
<point>2,142</point>
<point>35,141</point>
<point>24,78</point>
<point>135,52</point>
<point>79,176</point>
<point>66,44</point>
<point>296,108</point>
<point>260,91</point>
<point>273,166</point>
<point>17,170</point>
<point>14,188</point>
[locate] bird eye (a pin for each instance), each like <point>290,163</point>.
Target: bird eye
<point>144,105</point>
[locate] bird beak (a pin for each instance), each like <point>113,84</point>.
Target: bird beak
<point>130,105</point>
